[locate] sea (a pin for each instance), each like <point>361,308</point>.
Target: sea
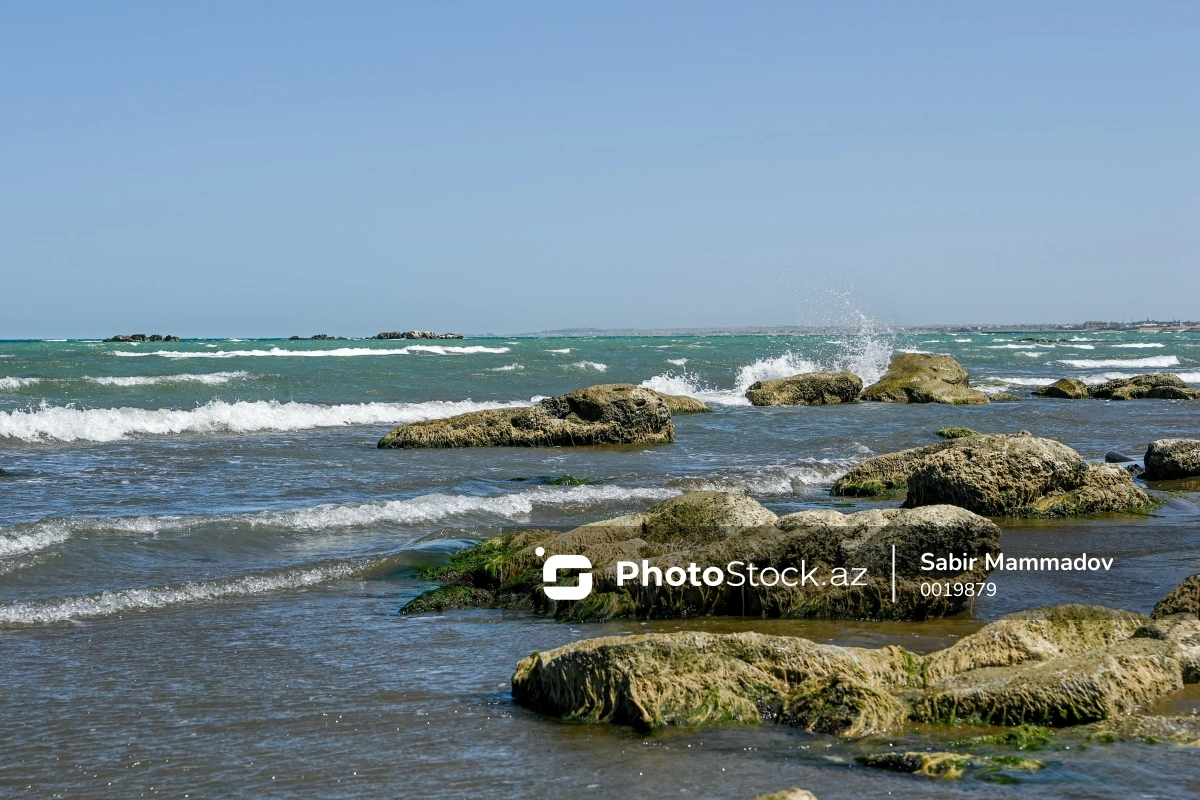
<point>203,557</point>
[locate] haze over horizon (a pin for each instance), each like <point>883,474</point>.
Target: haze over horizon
<point>261,170</point>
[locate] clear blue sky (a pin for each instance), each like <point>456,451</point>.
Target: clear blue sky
<point>277,168</point>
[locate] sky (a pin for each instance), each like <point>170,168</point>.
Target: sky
<point>279,168</point>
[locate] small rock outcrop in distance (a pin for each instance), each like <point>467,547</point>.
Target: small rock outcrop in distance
<point>713,529</point>
<point>1160,386</point>
<point>1066,389</point>
<point>924,378</point>
<point>416,335</point>
<point>955,433</point>
<point>141,337</point>
<point>1183,599</point>
<point>810,389</point>
<point>998,475</point>
<point>1058,666</point>
<point>613,413</point>
<point>1171,459</point>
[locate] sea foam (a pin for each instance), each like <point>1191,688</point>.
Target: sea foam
<point>68,424</point>
<point>209,379</point>
<point>17,383</point>
<point>1090,363</point>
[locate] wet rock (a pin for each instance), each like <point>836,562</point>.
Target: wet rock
<point>1183,599</point>
<point>1134,470</point>
<point>998,475</point>
<point>1113,457</point>
<point>788,794</point>
<point>811,389</point>
<point>325,337</point>
<point>955,433</point>
<point>682,404</point>
<point>1171,459</point>
<point>607,414</point>
<point>416,335</point>
<point>924,378</point>
<point>1160,386</point>
<point>948,766</point>
<point>1005,397</point>
<point>1182,729</point>
<point>141,337</point>
<point>693,678</point>
<point>1067,389</point>
<point>715,529</point>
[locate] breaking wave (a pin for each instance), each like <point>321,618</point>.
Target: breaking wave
<point>1152,361</point>
<point>596,365</point>
<point>210,379</point>
<point>68,424</point>
<point>340,352</point>
<point>1140,345</point>
<point>17,383</point>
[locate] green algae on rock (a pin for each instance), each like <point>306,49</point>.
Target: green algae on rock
<point>612,413</point>
<point>999,475</point>
<point>717,529</point>
<point>810,389</point>
<point>955,433</point>
<point>924,378</point>
<point>949,766</point>
<point>1066,389</point>
<point>682,404</point>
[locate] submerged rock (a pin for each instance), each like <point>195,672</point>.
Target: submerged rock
<point>613,413</point>
<point>717,529</point>
<point>1059,666</point>
<point>1005,397</point>
<point>1113,457</point>
<point>811,389</point>
<point>1170,459</point>
<point>1067,389</point>
<point>948,766</point>
<point>1160,386</point>
<point>924,378</point>
<point>997,475</point>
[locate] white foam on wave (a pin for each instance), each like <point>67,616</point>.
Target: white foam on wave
<point>564,351</point>
<point>33,538</point>
<point>596,365</point>
<point>960,341</point>
<point>17,383</point>
<point>209,379</point>
<point>507,368</point>
<point>1189,377</point>
<point>1012,382</point>
<point>1031,353</point>
<point>1081,346</point>
<point>1152,361</point>
<point>107,604</point>
<point>68,424</point>
<point>1140,345</point>
<point>679,362</point>
<point>340,352</point>
<point>779,480</point>
<point>689,385</point>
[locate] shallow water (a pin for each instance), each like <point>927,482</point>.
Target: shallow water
<point>200,575</point>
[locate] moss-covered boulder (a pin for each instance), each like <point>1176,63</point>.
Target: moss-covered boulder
<point>1160,386</point>
<point>1066,389</point>
<point>924,378</point>
<point>1183,599</point>
<point>811,389</point>
<point>682,404</point>
<point>612,413</point>
<point>1171,459</point>
<point>1005,397</point>
<point>955,433</point>
<point>847,558</point>
<point>998,475</point>
<point>1059,666</point>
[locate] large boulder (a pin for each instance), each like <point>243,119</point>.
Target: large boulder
<point>924,378</point>
<point>1160,386</point>
<point>811,389</point>
<point>1059,666</point>
<point>612,413</point>
<point>847,558</point>
<point>998,475</point>
<point>1169,459</point>
<point>1066,389</point>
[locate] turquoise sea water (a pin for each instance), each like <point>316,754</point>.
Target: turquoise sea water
<point>202,554</point>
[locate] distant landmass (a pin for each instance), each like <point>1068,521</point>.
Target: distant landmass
<point>1144,326</point>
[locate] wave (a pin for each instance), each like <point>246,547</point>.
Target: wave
<point>68,424</point>
<point>1152,361</point>
<point>1139,345</point>
<point>1189,377</point>
<point>37,537</point>
<point>17,383</point>
<point>1031,353</point>
<point>340,352</point>
<point>507,368</point>
<point>687,384</point>
<point>106,604</point>
<point>782,479</point>
<point>591,365</point>
<point>564,351</point>
<point>679,362</point>
<point>1081,346</point>
<point>209,379</point>
<point>962,340</point>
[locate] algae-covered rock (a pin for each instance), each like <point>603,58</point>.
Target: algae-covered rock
<point>924,378</point>
<point>1170,459</point>
<point>607,414</point>
<point>955,433</point>
<point>1183,599</point>
<point>999,475</point>
<point>1181,729</point>
<point>1066,389</point>
<point>811,389</point>
<point>948,766</point>
<point>1005,397</point>
<point>692,678</point>
<point>1160,386</point>
<point>762,559</point>
<point>682,404</point>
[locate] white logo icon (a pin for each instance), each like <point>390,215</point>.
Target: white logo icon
<point>550,576</point>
